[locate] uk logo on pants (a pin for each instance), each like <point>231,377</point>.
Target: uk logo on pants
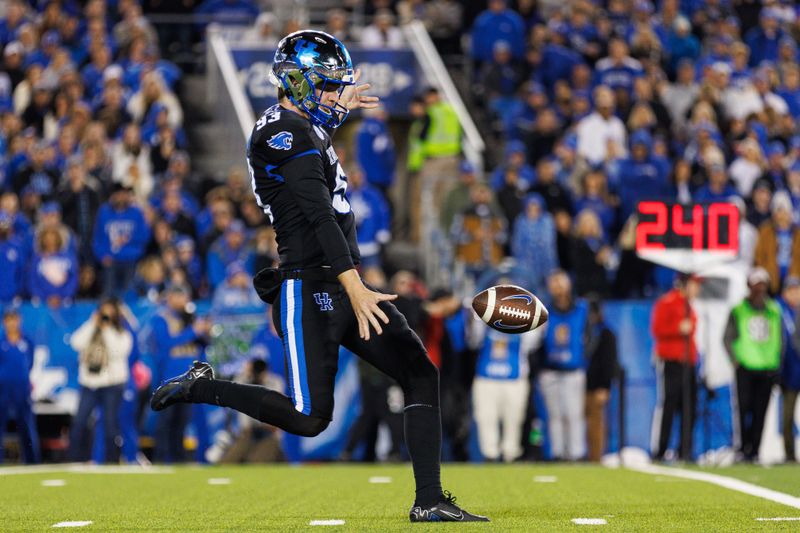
<point>323,301</point>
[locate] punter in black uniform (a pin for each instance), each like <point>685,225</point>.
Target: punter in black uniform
<point>319,299</point>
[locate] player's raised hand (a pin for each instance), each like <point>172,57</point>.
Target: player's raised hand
<point>353,96</point>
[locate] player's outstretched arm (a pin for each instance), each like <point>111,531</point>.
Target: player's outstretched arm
<point>365,303</point>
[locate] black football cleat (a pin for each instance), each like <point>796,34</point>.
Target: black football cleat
<point>178,389</point>
<point>444,511</point>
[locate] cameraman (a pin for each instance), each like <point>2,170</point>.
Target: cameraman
<point>104,345</point>
<point>177,341</point>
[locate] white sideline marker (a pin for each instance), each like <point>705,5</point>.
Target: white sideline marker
<point>589,521</point>
<point>545,479</point>
<point>326,523</point>
<point>779,519</point>
<point>380,479</point>
<point>722,481</point>
<point>80,523</point>
<point>219,481</point>
<point>53,483</point>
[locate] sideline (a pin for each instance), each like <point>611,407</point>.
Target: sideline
<point>722,481</point>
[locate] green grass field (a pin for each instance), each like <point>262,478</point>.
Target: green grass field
<point>286,498</point>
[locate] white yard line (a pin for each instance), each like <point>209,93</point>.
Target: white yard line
<point>326,523</point>
<point>219,481</point>
<point>545,479</point>
<point>589,521</point>
<point>722,481</point>
<point>80,468</point>
<point>380,479</point>
<point>74,524</point>
<point>779,519</point>
<point>53,483</point>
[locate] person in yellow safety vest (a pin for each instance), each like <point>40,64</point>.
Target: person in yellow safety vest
<point>754,343</point>
<point>442,137</point>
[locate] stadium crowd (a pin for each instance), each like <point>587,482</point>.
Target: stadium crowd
<point>596,106</point>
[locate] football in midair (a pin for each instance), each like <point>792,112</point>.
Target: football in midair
<point>510,309</point>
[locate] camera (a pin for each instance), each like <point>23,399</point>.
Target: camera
<point>105,318</point>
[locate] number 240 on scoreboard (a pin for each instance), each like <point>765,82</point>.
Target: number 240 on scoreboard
<point>673,226</point>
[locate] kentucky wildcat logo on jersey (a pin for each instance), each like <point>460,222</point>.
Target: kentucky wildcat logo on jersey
<point>281,141</point>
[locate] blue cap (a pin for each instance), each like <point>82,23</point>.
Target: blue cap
<point>50,207</point>
<point>642,137</point>
<point>237,267</point>
<point>235,227</point>
<point>515,146</point>
<point>467,167</point>
<point>776,148</point>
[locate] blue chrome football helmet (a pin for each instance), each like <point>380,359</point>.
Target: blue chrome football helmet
<point>309,61</point>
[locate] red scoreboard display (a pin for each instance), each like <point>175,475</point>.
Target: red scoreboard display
<point>665,226</point>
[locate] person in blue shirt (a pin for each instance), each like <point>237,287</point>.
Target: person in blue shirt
<point>681,44</point>
<point>562,378</point>
<point>790,89</point>
<point>53,273</point>
<point>500,391</point>
<point>594,196</point>
<point>236,294</point>
<point>189,261</point>
<point>373,219</point>
<point>497,23</point>
<point>718,189</point>
<point>533,243</point>
<point>375,149</point>
<point>516,159</point>
<point>763,40</point>
<point>231,246</point>
<point>120,237</point>
<point>790,368</point>
<point>558,60</point>
<point>643,175</point>
<point>175,343</point>
<point>618,70</point>
<point>12,262</point>
<point>14,18</point>
<point>16,362</point>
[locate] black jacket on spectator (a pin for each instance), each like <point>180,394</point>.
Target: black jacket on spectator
<point>78,210</point>
<point>590,276</point>
<point>601,351</point>
<point>38,178</point>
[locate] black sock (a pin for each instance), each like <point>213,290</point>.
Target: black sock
<point>258,402</point>
<point>423,428</point>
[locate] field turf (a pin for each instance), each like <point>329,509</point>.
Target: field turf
<point>287,498</point>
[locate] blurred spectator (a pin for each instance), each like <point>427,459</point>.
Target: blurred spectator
<point>778,245</point>
<point>79,203</point>
<point>514,160</point>
<point>16,362</point>
<point>263,32</point>
<point>681,44</point>
<point>255,442</point>
<point>500,392</point>
<point>673,327</point>
<point>747,167</point>
<point>131,163</point>
<point>790,368</point>
<point>337,24</point>
<point>214,220</point>
<point>558,60</point>
<point>236,292</point>
<point>754,344</point>
<point>590,255</point>
<point>562,378</point>
<point>718,188</point>
<point>13,262</point>
<point>679,96</point>
<point>231,246</point>
<point>601,135</point>
<point>479,232</point>
<point>643,176</point>
<point>763,40</point>
<point>53,274</point>
<point>539,142</point>
<point>239,12</point>
<point>382,33</point>
<point>104,345</point>
<point>443,20</point>
<point>175,342</point>
<point>150,279</point>
<point>500,78</point>
<point>110,111</point>
<point>594,196</point>
<point>533,243</point>
<point>457,197</point>
<point>39,173</point>
<point>760,203</point>
<point>497,23</point>
<point>619,70</point>
<point>602,368</point>
<point>190,262</point>
<point>173,214</point>
<point>120,236</point>
<point>153,89</point>
<point>375,149</point>
<point>372,218</point>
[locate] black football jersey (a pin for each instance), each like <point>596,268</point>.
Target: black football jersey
<point>300,185</point>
